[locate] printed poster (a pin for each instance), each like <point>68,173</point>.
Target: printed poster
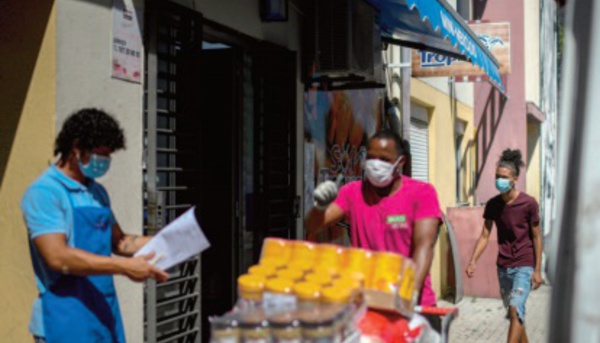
<point>127,42</point>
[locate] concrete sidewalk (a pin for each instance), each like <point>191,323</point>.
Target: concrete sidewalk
<point>483,320</point>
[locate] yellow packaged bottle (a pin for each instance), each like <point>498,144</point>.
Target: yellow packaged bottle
<point>386,272</point>
<point>330,257</point>
<point>265,271</point>
<point>336,295</point>
<point>279,295</point>
<point>322,280</point>
<point>276,253</point>
<point>346,282</point>
<point>304,251</point>
<point>325,269</point>
<point>336,302</point>
<point>250,292</point>
<point>407,286</point>
<point>308,295</point>
<point>301,265</point>
<point>273,263</point>
<point>276,248</point>
<point>354,277</point>
<point>358,261</point>
<point>290,274</point>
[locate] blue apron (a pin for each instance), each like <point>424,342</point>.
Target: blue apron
<point>85,309</point>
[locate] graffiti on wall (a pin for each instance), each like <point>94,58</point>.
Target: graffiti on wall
<point>337,125</point>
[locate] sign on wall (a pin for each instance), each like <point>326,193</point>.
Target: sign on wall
<point>127,42</point>
<point>495,37</point>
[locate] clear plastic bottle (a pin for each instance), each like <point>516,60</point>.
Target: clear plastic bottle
<point>224,329</point>
<point>317,326</point>
<point>285,328</point>
<point>336,303</point>
<point>279,296</point>
<point>254,327</point>
<point>308,295</point>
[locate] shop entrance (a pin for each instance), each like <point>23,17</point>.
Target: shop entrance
<point>220,135</point>
<point>219,159</point>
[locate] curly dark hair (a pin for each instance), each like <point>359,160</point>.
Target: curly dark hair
<point>89,128</point>
<point>512,159</point>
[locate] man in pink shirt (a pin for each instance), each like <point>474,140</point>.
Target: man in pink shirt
<point>387,211</point>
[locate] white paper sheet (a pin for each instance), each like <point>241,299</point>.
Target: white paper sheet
<point>177,242</point>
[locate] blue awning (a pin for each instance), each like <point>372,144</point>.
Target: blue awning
<point>434,25</point>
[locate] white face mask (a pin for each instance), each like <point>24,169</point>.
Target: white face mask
<point>380,173</point>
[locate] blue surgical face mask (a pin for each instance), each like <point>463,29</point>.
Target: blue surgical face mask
<point>503,185</point>
<point>96,167</point>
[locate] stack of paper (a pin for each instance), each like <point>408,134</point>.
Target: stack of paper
<point>177,242</point>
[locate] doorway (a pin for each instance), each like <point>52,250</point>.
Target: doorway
<point>220,135</point>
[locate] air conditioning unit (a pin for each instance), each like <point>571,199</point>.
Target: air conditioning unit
<point>345,40</point>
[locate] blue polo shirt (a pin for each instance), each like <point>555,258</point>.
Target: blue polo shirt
<point>46,208</point>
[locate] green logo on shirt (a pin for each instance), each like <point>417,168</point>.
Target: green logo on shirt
<point>401,218</point>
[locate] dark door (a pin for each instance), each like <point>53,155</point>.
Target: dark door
<point>274,76</point>
<point>218,209</point>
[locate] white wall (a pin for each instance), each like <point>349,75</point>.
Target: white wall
<point>83,70</point>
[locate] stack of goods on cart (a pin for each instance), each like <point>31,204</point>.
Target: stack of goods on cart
<point>323,293</point>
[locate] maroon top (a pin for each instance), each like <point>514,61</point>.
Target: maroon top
<point>513,221</point>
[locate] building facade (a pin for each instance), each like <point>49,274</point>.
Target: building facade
<point>524,119</point>
<point>215,122</point>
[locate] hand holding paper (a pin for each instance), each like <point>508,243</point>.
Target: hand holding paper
<point>177,242</point>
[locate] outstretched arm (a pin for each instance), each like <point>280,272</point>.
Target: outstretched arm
<point>67,260</point>
<point>317,220</point>
<point>324,213</point>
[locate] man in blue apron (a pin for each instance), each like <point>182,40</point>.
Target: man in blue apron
<point>73,234</point>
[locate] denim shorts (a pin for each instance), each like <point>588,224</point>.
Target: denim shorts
<point>515,285</point>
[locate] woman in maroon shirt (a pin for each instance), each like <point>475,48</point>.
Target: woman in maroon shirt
<point>517,220</point>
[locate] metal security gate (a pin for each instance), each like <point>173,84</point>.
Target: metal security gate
<point>419,149</point>
<point>275,143</point>
<point>173,46</point>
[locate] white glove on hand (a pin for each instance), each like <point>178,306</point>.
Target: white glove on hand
<point>325,194</point>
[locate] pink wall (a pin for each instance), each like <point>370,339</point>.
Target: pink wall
<point>467,223</point>
<point>501,123</point>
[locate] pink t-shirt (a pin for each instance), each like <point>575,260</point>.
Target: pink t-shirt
<point>386,224</point>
